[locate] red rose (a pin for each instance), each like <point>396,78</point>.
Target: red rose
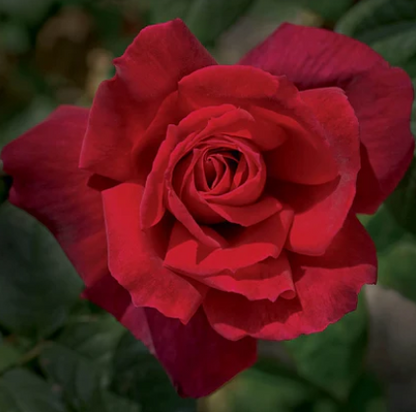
<point>220,204</point>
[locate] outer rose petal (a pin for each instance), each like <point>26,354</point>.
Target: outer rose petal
<point>327,287</point>
<point>50,172</point>
<point>382,100</point>
<point>199,359</point>
<point>134,262</point>
<point>186,352</point>
<point>381,97</point>
<point>48,184</point>
<point>124,106</point>
<point>320,210</point>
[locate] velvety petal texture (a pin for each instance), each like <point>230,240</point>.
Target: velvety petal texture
<point>326,289</point>
<point>47,184</point>
<point>381,96</point>
<point>207,206</point>
<point>124,106</point>
<point>50,172</point>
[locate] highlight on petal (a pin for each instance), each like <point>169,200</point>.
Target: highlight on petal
<point>268,279</point>
<point>246,247</point>
<point>380,95</point>
<point>326,289</point>
<point>320,210</point>
<point>123,108</point>
<point>134,260</point>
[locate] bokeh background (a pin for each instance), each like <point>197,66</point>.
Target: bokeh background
<point>59,353</point>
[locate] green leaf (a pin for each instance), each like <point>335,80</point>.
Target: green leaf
<point>139,376</point>
<point>333,359</point>
<point>270,386</point>
<point>402,203</point>
<point>207,19</point>
<point>116,403</point>
<point>22,391</point>
<point>371,15</point>
<point>397,268</point>
<point>93,338</point>
<point>27,11</point>
<point>78,378</point>
<point>384,230</point>
<point>37,282</point>
<point>398,48</point>
<point>9,355</point>
<point>83,381</point>
<point>367,395</point>
<point>388,26</point>
<point>329,10</point>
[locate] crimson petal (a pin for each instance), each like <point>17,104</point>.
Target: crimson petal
<point>48,184</point>
<point>327,288</point>
<point>124,106</point>
<point>380,95</point>
<point>248,247</point>
<point>135,263</point>
<point>320,210</point>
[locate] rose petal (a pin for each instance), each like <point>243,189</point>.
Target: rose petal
<point>327,287</point>
<point>124,106</point>
<point>382,100</point>
<point>320,210</point>
<point>236,85</point>
<point>268,279</point>
<point>184,351</point>
<point>134,261</point>
<point>250,214</point>
<point>305,157</point>
<point>246,247</point>
<point>197,358</point>
<point>48,184</point>
<point>190,196</point>
<point>380,95</point>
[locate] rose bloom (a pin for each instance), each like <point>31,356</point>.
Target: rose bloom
<point>207,206</point>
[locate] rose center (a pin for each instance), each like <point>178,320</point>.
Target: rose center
<point>219,163</point>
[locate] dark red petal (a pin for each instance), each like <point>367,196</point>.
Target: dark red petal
<point>248,247</point>
<point>382,100</point>
<point>327,287</point>
<point>134,262</point>
<point>266,132</point>
<point>312,57</point>
<point>197,358</point>
<point>320,210</point>
<point>186,352</point>
<point>124,106</point>
<point>268,279</point>
<point>184,183</point>
<point>48,184</point>
<point>381,97</point>
<point>305,157</point>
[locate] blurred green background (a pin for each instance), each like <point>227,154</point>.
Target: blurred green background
<point>59,353</point>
